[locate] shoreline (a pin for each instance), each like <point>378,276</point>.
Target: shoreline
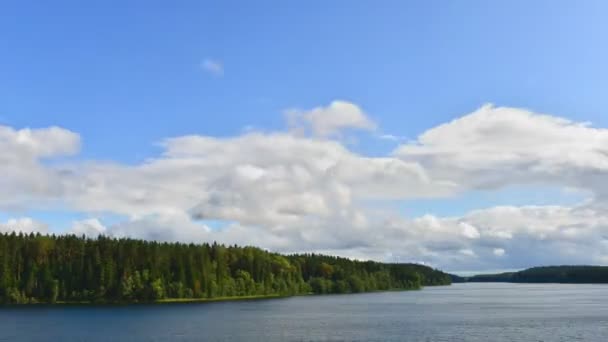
<point>166,301</point>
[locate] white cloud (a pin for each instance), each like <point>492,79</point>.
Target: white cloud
<point>24,225</point>
<point>293,193</point>
<point>256,178</point>
<point>24,179</point>
<point>468,252</point>
<point>498,252</point>
<point>469,231</point>
<point>391,137</point>
<point>498,146</point>
<point>89,227</point>
<point>331,120</point>
<point>37,143</point>
<point>213,67</point>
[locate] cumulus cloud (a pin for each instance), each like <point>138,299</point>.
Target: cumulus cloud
<point>24,179</point>
<point>502,238</point>
<point>213,67</point>
<point>497,146</point>
<point>37,143</point>
<point>304,190</point>
<point>469,231</point>
<point>90,227</point>
<point>24,225</point>
<point>332,119</point>
<point>265,179</point>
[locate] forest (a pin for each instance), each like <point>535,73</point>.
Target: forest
<point>579,274</point>
<point>38,268</point>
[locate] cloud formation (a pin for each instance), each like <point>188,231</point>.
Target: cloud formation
<point>24,179</point>
<point>497,146</point>
<point>90,227</point>
<point>304,190</point>
<point>24,225</point>
<point>331,120</point>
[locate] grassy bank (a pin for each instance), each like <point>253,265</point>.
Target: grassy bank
<point>218,299</point>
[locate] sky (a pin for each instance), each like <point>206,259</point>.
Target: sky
<point>470,136</point>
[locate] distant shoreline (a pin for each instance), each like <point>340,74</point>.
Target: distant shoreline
<point>564,274</point>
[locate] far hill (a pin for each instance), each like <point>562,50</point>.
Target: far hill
<point>582,274</point>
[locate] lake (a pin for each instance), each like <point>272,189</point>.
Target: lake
<point>461,312</point>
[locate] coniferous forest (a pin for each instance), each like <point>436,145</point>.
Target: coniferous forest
<point>68,268</point>
<point>566,274</point>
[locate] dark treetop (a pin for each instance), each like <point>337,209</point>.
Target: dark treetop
<point>546,274</point>
<point>67,268</point>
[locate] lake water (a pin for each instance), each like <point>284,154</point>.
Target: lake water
<point>461,312</point>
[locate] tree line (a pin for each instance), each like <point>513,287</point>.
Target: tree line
<point>38,268</point>
<point>577,274</point>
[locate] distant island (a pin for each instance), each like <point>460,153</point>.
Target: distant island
<point>577,274</point>
<point>38,268</point>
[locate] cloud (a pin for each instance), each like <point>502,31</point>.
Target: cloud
<point>495,147</point>
<point>390,137</point>
<point>24,225</point>
<point>331,120</point>
<point>24,179</point>
<point>533,235</point>
<point>256,179</point>
<point>37,143</point>
<point>469,231</point>
<point>498,252</point>
<point>89,227</point>
<point>213,67</point>
<point>305,190</point>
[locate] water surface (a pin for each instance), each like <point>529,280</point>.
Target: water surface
<point>461,312</point>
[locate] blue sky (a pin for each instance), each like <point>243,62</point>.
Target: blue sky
<point>125,75</point>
